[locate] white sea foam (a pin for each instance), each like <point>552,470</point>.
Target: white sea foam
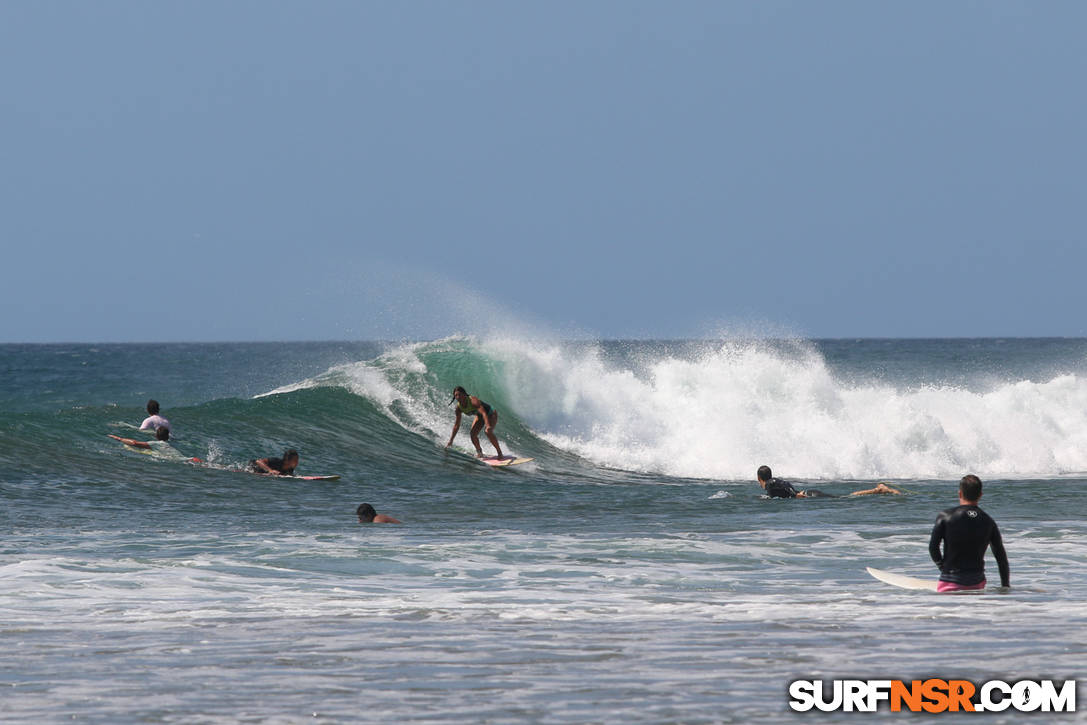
<point>727,409</point>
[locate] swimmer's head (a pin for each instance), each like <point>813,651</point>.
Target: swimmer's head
<point>152,407</point>
<point>162,433</point>
<point>764,474</point>
<point>366,513</point>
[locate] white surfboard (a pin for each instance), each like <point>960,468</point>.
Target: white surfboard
<point>504,461</point>
<point>903,581</point>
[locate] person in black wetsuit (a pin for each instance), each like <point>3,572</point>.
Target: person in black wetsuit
<point>778,488</point>
<point>966,532</point>
<point>276,466</point>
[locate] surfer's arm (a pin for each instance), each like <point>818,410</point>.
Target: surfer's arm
<point>487,424</point>
<point>456,427</point>
<point>130,442</point>
<point>262,463</point>
<point>934,543</point>
<point>997,545</point>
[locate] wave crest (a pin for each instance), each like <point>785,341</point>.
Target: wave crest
<point>720,410</point>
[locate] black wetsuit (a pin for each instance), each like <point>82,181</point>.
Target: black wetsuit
<point>276,464</point>
<point>966,532</point>
<point>777,488</point>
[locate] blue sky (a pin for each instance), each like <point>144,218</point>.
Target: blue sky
<point>356,170</point>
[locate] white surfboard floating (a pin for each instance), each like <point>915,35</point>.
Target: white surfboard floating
<point>903,581</point>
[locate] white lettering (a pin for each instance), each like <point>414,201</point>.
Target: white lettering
<point>1026,696</point>
<point>987,704</point>
<point>855,695</point>
<point>878,690</point>
<point>835,702</point>
<point>803,694</point>
<point>1064,701</point>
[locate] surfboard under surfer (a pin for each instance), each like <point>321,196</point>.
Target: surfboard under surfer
<point>486,418</point>
<point>778,488</point>
<point>965,532</point>
<point>159,447</point>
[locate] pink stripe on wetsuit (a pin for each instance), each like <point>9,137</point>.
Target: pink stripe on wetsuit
<point>953,587</point>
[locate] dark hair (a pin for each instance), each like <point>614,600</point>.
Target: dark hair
<point>152,407</point>
<point>289,454</point>
<point>458,389</point>
<point>162,433</point>
<point>764,473</point>
<point>970,487</point>
<point>366,512</point>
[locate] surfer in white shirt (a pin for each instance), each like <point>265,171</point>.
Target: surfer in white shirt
<point>154,421</point>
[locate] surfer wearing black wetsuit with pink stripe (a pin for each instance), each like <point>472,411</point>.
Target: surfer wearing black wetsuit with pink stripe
<point>966,532</point>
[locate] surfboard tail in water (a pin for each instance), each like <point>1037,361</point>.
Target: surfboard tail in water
<point>902,581</point>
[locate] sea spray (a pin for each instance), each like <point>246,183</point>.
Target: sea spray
<point>719,409</point>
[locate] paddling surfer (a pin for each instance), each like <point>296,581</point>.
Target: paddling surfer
<point>778,488</point>
<point>485,419</point>
<point>966,532</point>
<point>276,466</point>
<point>154,421</point>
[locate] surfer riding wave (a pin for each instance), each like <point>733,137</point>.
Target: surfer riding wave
<point>485,419</point>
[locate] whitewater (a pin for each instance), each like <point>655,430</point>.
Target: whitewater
<point>630,573</point>
<point>709,410</point>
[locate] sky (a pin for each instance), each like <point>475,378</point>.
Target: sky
<point>215,171</point>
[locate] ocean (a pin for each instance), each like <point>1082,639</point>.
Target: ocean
<point>630,573</point>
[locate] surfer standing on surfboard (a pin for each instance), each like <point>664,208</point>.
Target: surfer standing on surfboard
<point>966,532</point>
<point>485,418</point>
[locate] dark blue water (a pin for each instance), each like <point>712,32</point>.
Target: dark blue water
<point>630,573</point>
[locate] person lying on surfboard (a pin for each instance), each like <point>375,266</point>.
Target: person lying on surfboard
<point>778,488</point>
<point>367,515</point>
<point>276,466</point>
<point>485,419</point>
<point>966,532</point>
